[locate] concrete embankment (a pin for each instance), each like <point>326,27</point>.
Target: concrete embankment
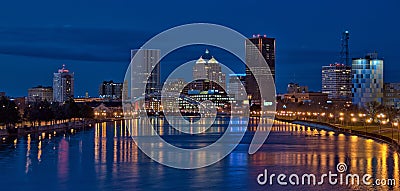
<point>325,126</point>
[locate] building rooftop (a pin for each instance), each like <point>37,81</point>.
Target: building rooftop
<point>63,69</point>
<point>207,58</point>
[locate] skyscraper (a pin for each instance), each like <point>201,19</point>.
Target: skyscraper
<point>63,85</point>
<point>147,67</point>
<point>266,46</point>
<point>367,79</point>
<point>336,81</point>
<point>207,67</point>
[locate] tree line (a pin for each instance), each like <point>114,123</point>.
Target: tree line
<point>42,111</point>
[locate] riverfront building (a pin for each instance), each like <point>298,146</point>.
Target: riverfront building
<point>110,90</point>
<point>336,81</point>
<point>391,95</point>
<point>367,80</point>
<point>253,47</point>
<point>40,93</point>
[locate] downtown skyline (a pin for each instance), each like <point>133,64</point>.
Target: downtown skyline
<point>199,95</point>
<point>99,50</point>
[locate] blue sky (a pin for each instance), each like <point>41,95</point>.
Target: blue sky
<point>94,38</point>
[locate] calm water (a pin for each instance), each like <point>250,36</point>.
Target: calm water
<point>105,158</point>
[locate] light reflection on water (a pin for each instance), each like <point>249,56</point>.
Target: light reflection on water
<point>105,158</point>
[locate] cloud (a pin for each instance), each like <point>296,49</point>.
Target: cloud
<point>68,43</point>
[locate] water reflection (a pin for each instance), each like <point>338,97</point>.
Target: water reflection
<point>106,158</point>
<point>323,150</point>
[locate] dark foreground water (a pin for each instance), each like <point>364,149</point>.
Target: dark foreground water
<point>105,158</point>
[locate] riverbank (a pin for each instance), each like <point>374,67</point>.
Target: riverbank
<point>349,130</point>
<point>6,134</point>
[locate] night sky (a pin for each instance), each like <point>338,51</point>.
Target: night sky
<point>94,38</point>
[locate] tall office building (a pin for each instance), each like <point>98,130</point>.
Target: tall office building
<point>367,79</point>
<point>336,81</point>
<point>147,67</point>
<point>110,90</point>
<point>253,47</point>
<point>200,69</point>
<point>40,93</point>
<point>63,85</point>
<point>207,67</point>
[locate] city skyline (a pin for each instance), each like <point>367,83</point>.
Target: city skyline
<point>199,95</point>
<point>160,71</point>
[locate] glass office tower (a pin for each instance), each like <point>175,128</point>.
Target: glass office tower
<point>367,79</point>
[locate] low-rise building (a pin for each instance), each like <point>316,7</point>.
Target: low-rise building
<point>191,101</point>
<point>296,88</point>
<point>311,97</point>
<point>391,95</point>
<point>110,90</point>
<point>40,93</point>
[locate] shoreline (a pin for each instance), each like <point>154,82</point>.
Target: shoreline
<point>6,134</point>
<point>85,124</point>
<point>393,144</point>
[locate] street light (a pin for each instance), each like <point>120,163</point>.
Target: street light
<point>383,122</point>
<point>395,124</point>
<point>331,116</point>
<point>368,121</point>
<point>341,120</point>
<point>354,120</point>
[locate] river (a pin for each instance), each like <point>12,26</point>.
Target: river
<point>106,158</point>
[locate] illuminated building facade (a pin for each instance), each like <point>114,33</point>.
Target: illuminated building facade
<point>253,47</point>
<point>236,88</point>
<point>63,85</point>
<point>40,93</point>
<point>147,68</point>
<point>336,81</point>
<point>110,90</point>
<point>207,67</point>
<point>189,103</point>
<point>296,88</point>
<point>367,79</point>
<point>391,95</point>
